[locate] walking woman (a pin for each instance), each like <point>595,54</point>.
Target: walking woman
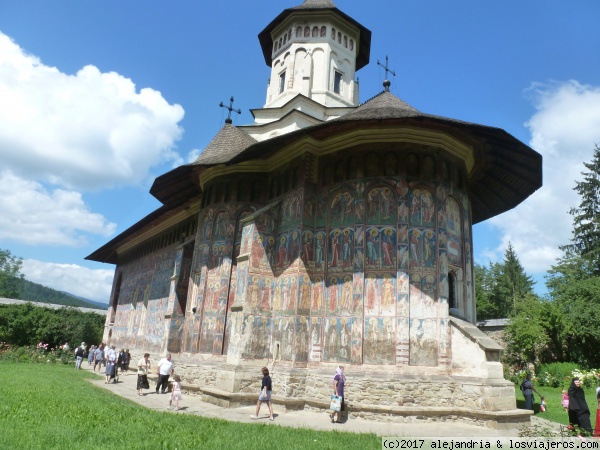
<point>339,382</point>
<point>265,394</point>
<point>579,412</point>
<point>142,373</point>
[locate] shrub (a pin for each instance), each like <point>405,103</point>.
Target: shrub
<point>34,355</point>
<point>556,374</point>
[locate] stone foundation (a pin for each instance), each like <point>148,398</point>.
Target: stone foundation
<point>400,395</point>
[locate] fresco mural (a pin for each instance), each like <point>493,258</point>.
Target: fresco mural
<point>356,273</point>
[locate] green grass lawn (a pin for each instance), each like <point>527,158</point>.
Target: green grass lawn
<point>554,411</point>
<point>54,407</point>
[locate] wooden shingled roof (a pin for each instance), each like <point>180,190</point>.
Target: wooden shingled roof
<point>505,171</point>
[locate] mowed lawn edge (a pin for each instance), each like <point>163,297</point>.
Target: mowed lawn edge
<point>53,406</point>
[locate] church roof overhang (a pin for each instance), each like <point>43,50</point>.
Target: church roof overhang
<point>364,45</point>
<point>502,171</point>
<point>154,223</point>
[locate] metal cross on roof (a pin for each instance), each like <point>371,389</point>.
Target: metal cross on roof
<point>386,82</point>
<point>230,109</point>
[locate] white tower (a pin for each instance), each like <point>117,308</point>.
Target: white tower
<point>314,51</point>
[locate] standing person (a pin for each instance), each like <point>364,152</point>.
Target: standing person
<point>579,412</point>
<point>91,355</point>
<point>111,363</point>
<point>543,404</point>
<point>175,392</point>
<point>164,369</point>
<point>265,394</point>
<point>79,353</point>
<point>120,357</point>
<point>565,400</point>
<point>339,382</point>
<point>528,390</point>
<point>142,373</point>
<point>98,356</point>
<point>126,361</point>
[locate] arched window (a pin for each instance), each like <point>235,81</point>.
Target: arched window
<point>298,31</point>
<point>339,37</point>
<point>351,44</point>
<point>323,31</point>
<point>307,31</point>
<point>346,41</point>
<point>452,303</point>
<point>333,34</point>
<point>315,31</point>
<point>284,39</point>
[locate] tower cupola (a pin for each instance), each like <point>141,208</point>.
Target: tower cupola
<point>314,49</point>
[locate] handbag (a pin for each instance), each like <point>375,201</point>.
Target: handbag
<point>336,403</point>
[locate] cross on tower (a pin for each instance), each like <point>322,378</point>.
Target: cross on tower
<point>386,82</point>
<point>230,109</point>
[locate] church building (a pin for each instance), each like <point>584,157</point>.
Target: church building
<point>328,232</point>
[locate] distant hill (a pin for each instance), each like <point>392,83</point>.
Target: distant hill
<point>34,292</point>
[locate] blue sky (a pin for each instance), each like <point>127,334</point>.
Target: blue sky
<point>99,98</point>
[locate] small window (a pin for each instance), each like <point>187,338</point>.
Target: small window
<point>337,82</point>
<point>323,31</point>
<point>339,37</point>
<point>351,44</point>
<point>307,31</point>
<point>451,291</point>
<point>298,31</point>
<point>282,82</point>
<point>290,34</point>
<point>284,39</point>
<point>346,41</point>
<point>315,31</point>
<point>333,34</point>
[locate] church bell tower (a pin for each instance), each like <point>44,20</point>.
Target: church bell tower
<point>314,50</point>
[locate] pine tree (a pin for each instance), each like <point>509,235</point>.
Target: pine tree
<point>515,283</point>
<point>586,217</point>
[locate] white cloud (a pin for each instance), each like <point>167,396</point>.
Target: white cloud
<point>564,129</point>
<point>84,131</point>
<point>77,280</point>
<point>33,215</point>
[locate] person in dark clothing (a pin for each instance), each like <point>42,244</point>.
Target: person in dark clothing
<point>528,390</point>
<point>265,394</point>
<point>579,412</point>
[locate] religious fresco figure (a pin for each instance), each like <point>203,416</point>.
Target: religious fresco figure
<point>334,252</point>
<point>347,248</point>
<point>428,248</point>
<point>331,339</point>
<point>388,244</point>
<point>343,351</point>
<point>416,248</point>
<point>305,290</point>
<point>319,248</point>
<point>372,247</point>
<point>317,295</point>
<point>307,247</point>
<point>347,295</point>
<point>416,217</point>
<point>388,296</point>
<point>332,292</point>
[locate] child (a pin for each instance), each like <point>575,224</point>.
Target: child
<point>565,400</point>
<point>175,392</point>
<point>543,404</point>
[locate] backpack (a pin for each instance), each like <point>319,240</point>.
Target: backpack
<point>79,352</point>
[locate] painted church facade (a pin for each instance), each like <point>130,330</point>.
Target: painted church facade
<point>327,232</point>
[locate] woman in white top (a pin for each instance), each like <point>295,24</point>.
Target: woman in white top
<point>142,373</point>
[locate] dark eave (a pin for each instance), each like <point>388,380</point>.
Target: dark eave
<point>108,252</point>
